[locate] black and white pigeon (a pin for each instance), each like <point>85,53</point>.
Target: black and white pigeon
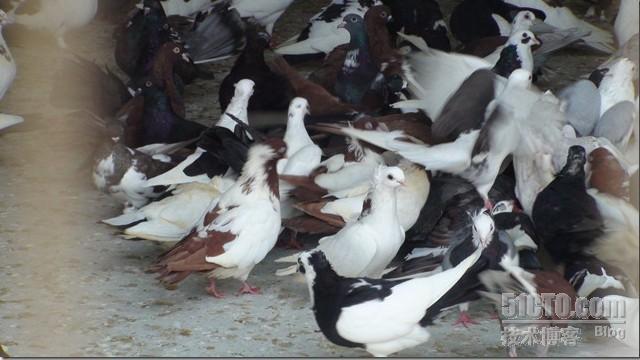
<point>381,316</point>
<point>55,16</point>
<point>222,147</point>
<point>562,18</point>
<point>476,19</point>
<point>367,246</point>
<point>7,74</point>
<point>321,35</point>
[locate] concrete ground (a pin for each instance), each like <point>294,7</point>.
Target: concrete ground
<point>70,287</point>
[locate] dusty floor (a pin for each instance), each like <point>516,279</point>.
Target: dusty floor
<point>69,287</point>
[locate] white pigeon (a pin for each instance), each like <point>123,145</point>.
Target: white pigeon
<point>56,16</point>
<point>7,73</point>
<point>303,155</point>
<point>626,24</point>
<point>175,216</point>
<point>239,232</point>
<point>238,108</point>
<point>322,33</point>
<point>367,246</point>
<point>562,18</point>
<point>380,316</point>
<point>266,12</point>
<point>617,84</point>
<point>410,198</point>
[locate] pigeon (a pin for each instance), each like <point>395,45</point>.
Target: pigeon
<point>365,247</point>
<point>239,232</point>
<point>358,71</point>
<point>57,16</point>
<point>607,174</point>
<point>583,102</point>
<point>122,172</point>
<point>566,217</point>
<point>420,18</point>
<point>626,23</point>
<point>7,74</point>
<point>221,147</point>
<point>340,211</point>
<point>380,48</point>
<point>617,84</point>
<point>321,35</point>
<point>562,18</point>
<point>158,121</point>
<point>380,316</point>
<point>616,124</point>
<point>212,34</point>
<point>272,91</point>
<point>472,20</point>
<point>175,216</point>
<point>265,12</point>
<point>303,155</point>
<point>516,54</point>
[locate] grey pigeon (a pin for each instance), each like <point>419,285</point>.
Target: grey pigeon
<point>583,106</point>
<point>616,124</point>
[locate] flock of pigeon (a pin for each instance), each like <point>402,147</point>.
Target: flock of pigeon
<point>433,175</point>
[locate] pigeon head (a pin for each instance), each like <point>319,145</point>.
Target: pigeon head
<point>313,262</point>
<point>378,15</point>
<point>575,161</point>
<point>523,20</point>
<point>483,228</point>
<point>243,89</point>
<point>298,109</point>
<point>524,38</point>
<point>390,176</point>
<point>352,23</point>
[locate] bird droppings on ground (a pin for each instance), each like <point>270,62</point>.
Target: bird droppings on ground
<point>70,286</point>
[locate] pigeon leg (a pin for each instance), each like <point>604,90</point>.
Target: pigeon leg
<point>248,289</point>
<point>465,320</point>
<point>213,291</point>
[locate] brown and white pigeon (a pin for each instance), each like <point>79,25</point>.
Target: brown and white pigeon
<point>239,232</point>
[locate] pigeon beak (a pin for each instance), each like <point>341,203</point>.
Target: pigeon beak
<point>403,183</point>
<point>342,25</point>
<point>186,57</point>
<point>536,41</point>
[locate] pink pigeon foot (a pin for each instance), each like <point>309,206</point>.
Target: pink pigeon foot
<point>248,289</point>
<point>213,291</point>
<point>465,320</point>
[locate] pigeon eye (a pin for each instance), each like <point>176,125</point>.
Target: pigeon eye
<point>165,26</point>
<point>390,177</point>
<point>353,19</point>
<point>383,14</point>
<point>176,50</point>
<point>148,84</point>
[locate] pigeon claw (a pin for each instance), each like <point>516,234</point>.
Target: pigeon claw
<point>213,291</point>
<point>465,320</point>
<point>248,289</point>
